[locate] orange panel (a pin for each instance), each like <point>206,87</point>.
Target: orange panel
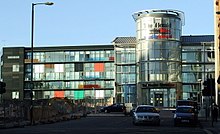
<point>80,86</point>
<point>99,67</point>
<point>49,65</point>
<point>29,61</point>
<point>59,94</point>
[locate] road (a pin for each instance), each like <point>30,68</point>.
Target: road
<point>106,125</point>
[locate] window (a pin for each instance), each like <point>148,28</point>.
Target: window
<point>38,68</point>
<point>13,57</point>
<point>15,95</point>
<point>15,68</point>
<point>58,68</point>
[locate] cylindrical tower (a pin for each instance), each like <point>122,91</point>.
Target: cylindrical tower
<point>158,54</point>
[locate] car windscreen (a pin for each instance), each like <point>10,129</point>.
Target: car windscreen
<point>146,109</point>
<point>185,110</point>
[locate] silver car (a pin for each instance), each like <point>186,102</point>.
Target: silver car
<point>146,114</point>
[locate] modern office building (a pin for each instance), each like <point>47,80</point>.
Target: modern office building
<point>74,72</point>
<point>158,54</point>
<point>108,72</point>
<point>157,67</point>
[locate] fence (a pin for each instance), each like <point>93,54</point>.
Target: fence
<point>44,111</point>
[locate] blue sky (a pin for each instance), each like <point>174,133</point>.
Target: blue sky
<point>74,22</point>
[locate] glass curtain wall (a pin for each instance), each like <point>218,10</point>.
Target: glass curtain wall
<point>125,74</point>
<point>72,74</point>
<point>158,56</point>
<point>197,66</point>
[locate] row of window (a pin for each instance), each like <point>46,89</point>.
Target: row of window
<point>70,76</point>
<point>75,95</point>
<point>61,85</point>
<point>74,67</point>
<point>73,71</point>
<point>71,56</point>
<point>174,77</point>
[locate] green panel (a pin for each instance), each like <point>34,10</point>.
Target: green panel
<point>78,94</point>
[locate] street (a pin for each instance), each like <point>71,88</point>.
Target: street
<point>107,125</point>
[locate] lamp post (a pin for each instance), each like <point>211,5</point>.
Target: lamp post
<point>199,99</point>
<point>32,54</point>
<point>94,98</point>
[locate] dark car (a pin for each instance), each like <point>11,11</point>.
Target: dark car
<point>114,108</point>
<point>185,115</point>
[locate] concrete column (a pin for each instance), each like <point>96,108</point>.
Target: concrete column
<point>217,37</point>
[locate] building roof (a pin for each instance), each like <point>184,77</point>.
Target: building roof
<point>197,38</point>
<point>184,39</point>
<point>126,40</point>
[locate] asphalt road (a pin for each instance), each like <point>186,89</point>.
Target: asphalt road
<point>106,125</point>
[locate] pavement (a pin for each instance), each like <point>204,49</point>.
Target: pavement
<point>208,126</point>
<point>22,123</point>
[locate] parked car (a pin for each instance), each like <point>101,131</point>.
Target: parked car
<point>132,112</point>
<point>116,107</point>
<point>188,103</point>
<point>185,115</point>
<point>146,114</point>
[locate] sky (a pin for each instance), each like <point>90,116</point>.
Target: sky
<point>76,22</point>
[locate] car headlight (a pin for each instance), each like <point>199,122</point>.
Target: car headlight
<point>135,115</point>
<point>176,117</point>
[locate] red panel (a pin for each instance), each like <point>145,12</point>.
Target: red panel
<point>99,67</point>
<point>59,94</point>
<point>164,30</point>
<point>164,36</point>
<point>92,86</point>
<point>111,58</point>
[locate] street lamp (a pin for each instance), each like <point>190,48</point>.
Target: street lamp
<point>94,94</point>
<point>199,96</point>
<point>32,54</point>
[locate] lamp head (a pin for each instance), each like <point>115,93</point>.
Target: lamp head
<point>49,3</point>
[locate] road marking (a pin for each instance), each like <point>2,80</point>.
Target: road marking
<point>207,131</point>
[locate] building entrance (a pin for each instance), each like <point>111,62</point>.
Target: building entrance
<point>163,97</point>
<point>158,96</point>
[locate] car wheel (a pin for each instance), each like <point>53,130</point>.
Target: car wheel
<point>135,123</point>
<point>106,111</point>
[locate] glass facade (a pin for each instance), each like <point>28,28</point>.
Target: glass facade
<point>197,66</point>
<point>125,73</point>
<point>158,57</point>
<point>72,74</point>
<point>153,71</point>
<point>156,67</point>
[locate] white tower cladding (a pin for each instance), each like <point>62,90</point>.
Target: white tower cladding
<point>158,54</point>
